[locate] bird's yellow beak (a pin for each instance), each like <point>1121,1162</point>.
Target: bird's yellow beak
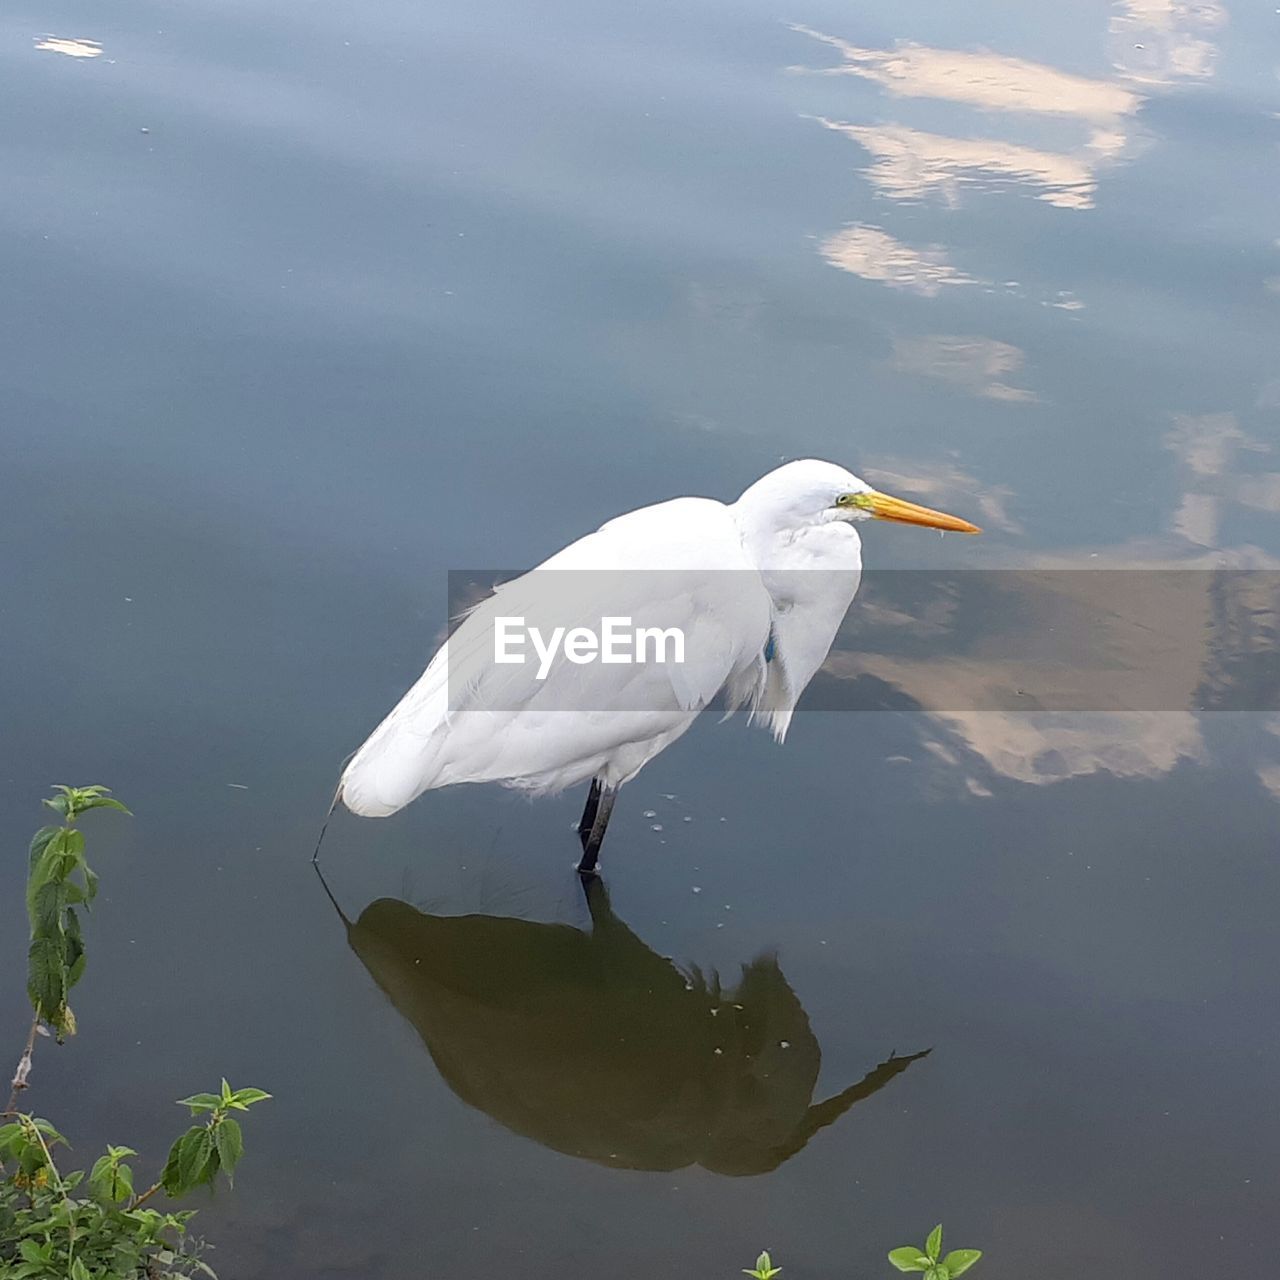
<point>883,507</point>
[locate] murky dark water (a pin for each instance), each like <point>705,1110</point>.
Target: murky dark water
<point>302,309</point>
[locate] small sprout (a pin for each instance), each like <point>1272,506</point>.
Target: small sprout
<point>110,1179</point>
<point>73,801</point>
<point>930,1259</point>
<point>764,1268</point>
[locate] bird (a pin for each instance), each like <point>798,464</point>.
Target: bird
<point>756,590</point>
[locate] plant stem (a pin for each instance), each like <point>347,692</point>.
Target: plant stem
<point>24,1065</point>
<point>145,1196</point>
<point>62,1190</point>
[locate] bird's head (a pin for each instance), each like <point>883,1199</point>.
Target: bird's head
<point>810,492</point>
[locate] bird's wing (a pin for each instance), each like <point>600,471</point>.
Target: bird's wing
<point>546,722</point>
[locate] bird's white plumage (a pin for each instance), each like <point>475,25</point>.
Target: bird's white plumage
<point>775,570</point>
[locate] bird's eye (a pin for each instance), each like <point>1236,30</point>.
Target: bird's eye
<point>853,500</point>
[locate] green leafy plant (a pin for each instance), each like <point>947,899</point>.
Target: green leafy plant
<point>57,1225</point>
<point>196,1157</point>
<point>908,1258</point>
<point>58,881</point>
<point>930,1260</point>
<point>50,1228</point>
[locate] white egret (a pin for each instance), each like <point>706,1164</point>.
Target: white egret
<point>757,588</point>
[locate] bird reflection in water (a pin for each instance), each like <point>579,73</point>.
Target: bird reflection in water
<point>594,1045</point>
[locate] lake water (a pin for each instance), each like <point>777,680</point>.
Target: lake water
<point>302,309</point>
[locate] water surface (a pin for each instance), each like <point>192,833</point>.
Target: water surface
<point>302,310</point>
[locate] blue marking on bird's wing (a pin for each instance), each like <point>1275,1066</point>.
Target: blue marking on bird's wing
<point>770,647</point>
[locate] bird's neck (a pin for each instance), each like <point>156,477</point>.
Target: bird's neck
<point>776,545</point>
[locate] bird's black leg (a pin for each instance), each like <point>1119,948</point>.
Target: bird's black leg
<point>587,821</point>
<point>597,896</point>
<point>594,838</point>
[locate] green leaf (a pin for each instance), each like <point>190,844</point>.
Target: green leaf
<point>40,841</point>
<point>229,1142</point>
<point>73,948</point>
<point>73,844</point>
<point>933,1245</point>
<point>102,802</point>
<point>958,1261</point>
<point>48,866</point>
<point>51,1136</point>
<point>909,1258</point>
<point>197,1159</point>
<point>110,1180</point>
<point>46,906</point>
<point>63,853</point>
<point>100,1174</point>
<point>243,1099</point>
<point>169,1174</point>
<point>47,979</point>
<point>73,801</point>
<point>201,1102</point>
<point>10,1139</point>
<point>79,1271</point>
<point>148,1220</point>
